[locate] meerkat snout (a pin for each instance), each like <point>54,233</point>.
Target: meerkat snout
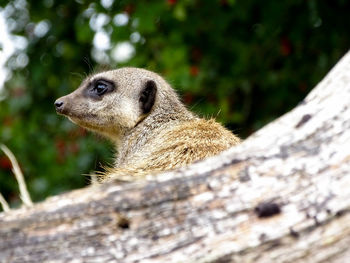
<point>142,114</point>
<point>58,105</point>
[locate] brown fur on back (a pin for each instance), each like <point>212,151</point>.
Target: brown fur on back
<point>178,145</point>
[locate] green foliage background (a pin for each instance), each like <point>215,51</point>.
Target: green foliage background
<point>244,62</point>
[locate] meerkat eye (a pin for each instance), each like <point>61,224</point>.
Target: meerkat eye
<point>98,88</point>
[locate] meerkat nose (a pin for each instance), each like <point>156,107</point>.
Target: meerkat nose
<point>59,105</point>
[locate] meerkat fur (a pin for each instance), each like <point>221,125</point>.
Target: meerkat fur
<point>143,116</point>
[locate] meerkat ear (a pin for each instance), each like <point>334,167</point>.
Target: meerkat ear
<point>148,96</point>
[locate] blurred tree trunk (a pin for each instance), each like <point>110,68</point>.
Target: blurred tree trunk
<point>283,195</point>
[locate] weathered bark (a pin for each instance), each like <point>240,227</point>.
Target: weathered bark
<point>283,195</point>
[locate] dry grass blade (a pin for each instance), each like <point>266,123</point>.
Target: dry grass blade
<point>25,197</point>
<point>4,204</point>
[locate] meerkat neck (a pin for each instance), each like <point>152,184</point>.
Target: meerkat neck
<point>135,139</point>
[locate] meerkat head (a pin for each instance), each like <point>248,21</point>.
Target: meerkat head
<point>112,102</point>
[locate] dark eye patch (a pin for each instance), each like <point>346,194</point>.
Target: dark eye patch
<point>98,88</point>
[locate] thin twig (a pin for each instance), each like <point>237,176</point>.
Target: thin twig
<point>25,197</point>
<point>4,204</point>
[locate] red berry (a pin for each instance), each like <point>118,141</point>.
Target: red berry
<point>171,2</point>
<point>5,163</point>
<point>194,70</point>
<point>285,46</point>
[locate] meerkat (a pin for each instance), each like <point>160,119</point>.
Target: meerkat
<point>143,116</point>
